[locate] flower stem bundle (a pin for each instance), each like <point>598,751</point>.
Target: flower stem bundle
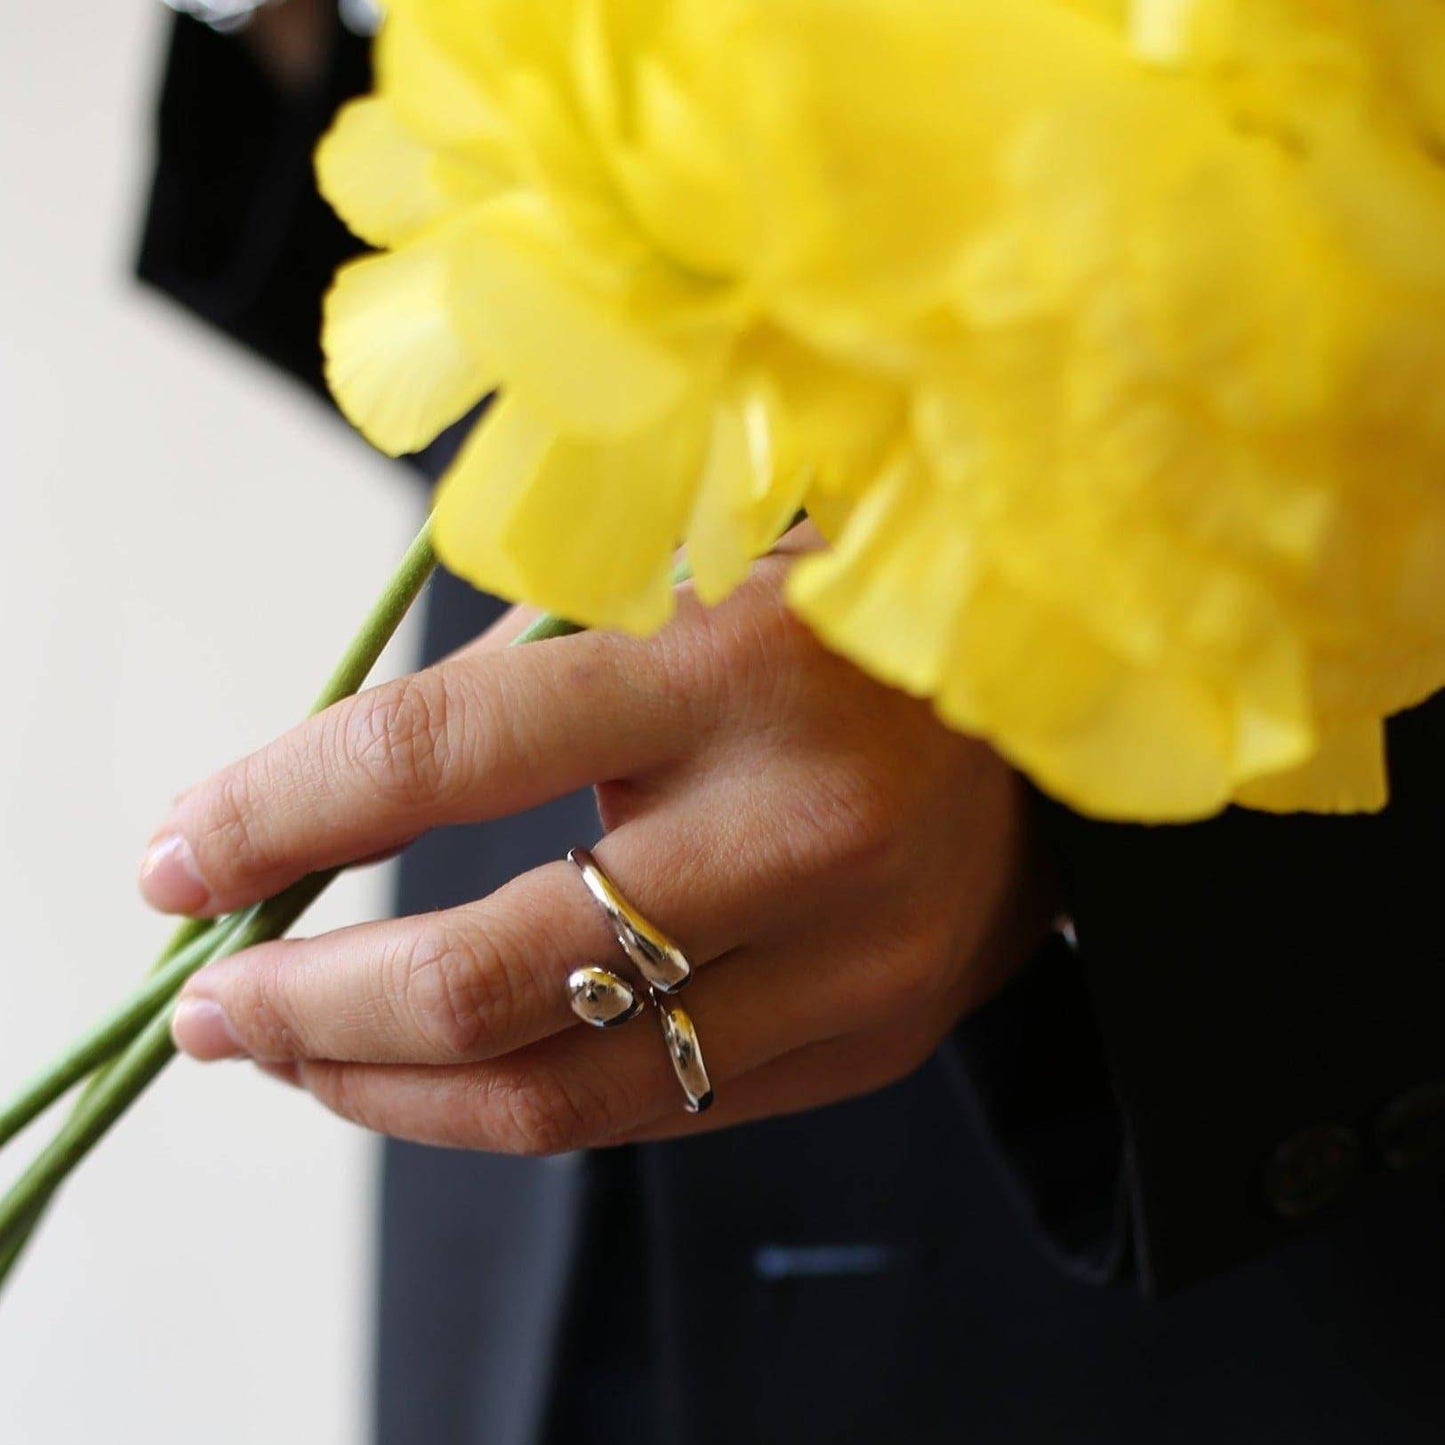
<point>130,1046</point>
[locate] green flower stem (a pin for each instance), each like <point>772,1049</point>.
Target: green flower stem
<point>193,933</point>
<point>545,628</point>
<point>107,1038</point>
<point>13,1245</point>
<point>208,937</point>
<point>351,672</point>
<point>147,1055</point>
<point>381,622</point>
<point>115,1084</point>
<point>193,930</point>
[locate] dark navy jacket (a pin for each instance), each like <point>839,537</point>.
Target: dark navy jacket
<point>1182,1185</point>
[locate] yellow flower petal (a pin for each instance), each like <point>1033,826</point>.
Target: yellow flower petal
<point>1345,775</point>
<point>394,361</point>
<point>889,593</point>
<point>659,94</point>
<point>568,342</point>
<point>742,505</point>
<point>514,103</point>
<point>383,184</point>
<point>907,595</point>
<point>1108,738</point>
<point>879,130</point>
<point>443,105</point>
<point>586,531</point>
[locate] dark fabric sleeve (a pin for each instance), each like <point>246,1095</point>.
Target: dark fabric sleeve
<point>235,229</point>
<point>1268,992</point>
<point>1029,1065</point>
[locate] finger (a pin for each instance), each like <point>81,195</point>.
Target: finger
<point>478,736</point>
<point>473,982</point>
<point>585,1087</point>
<point>443,987</point>
<point>810,1077</point>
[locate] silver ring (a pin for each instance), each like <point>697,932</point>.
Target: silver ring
<point>605,1000</point>
<point>656,957</point>
<point>683,1048</point>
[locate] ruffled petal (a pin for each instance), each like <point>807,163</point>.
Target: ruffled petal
<point>446,104</point>
<point>1346,774</point>
<point>572,343</point>
<point>659,84</point>
<point>907,595</point>
<point>395,362</point>
<point>742,505</point>
<point>888,594</point>
<point>385,185</point>
<point>516,58</point>
<point>587,531</point>
<point>878,132</point>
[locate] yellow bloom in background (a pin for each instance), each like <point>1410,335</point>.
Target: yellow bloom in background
<point>1106,338</point>
<point>565,219</point>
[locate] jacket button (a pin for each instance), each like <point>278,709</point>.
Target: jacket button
<point>1311,1169</point>
<point>1410,1132</point>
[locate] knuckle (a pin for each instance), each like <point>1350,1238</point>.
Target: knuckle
<point>453,990</point>
<point>732,653</point>
<point>690,671</point>
<point>397,736</point>
<point>263,1014</point>
<point>229,838</point>
<point>337,1088</point>
<point>760,648</point>
<point>545,1113</point>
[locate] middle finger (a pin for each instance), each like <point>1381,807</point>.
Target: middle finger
<point>474,982</point>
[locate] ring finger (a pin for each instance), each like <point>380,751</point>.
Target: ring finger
<point>474,982</point>
<point>584,1087</point>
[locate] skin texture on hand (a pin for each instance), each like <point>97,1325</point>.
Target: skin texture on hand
<point>848,877</point>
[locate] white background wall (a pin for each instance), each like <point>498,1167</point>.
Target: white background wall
<point>185,543</point>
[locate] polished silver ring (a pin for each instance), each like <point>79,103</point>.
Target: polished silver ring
<point>604,999</point>
<point>656,957</point>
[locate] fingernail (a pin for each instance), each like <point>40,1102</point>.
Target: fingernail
<point>169,878</point>
<point>202,1030</point>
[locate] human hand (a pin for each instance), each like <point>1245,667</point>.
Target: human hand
<point>848,876</point>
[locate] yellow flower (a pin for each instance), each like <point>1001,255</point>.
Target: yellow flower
<point>1106,338</point>
<point>564,218</point>
<point>1173,498</point>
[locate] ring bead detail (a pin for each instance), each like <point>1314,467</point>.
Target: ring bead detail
<point>605,1000</point>
<point>602,999</point>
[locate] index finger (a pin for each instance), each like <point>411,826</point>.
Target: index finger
<point>481,735</point>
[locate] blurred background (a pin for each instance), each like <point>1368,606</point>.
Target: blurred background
<point>187,541</point>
